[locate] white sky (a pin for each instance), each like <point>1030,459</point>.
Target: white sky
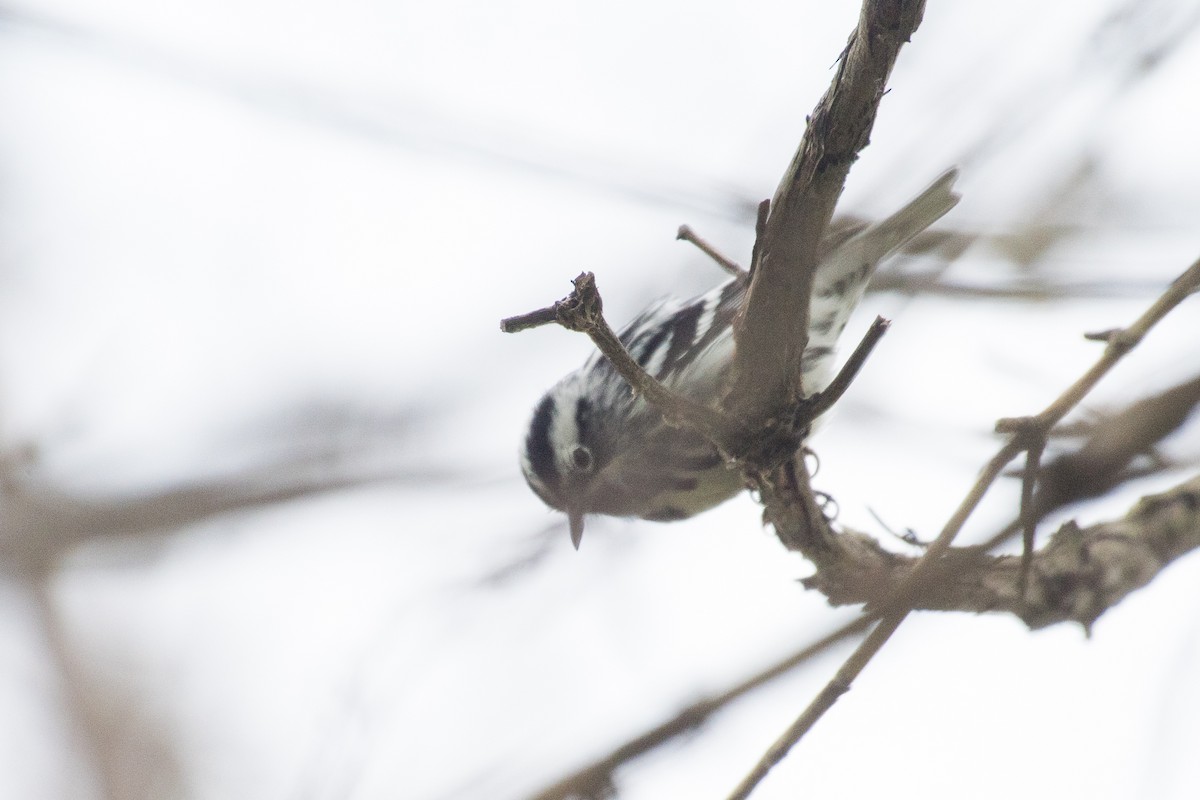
<point>218,215</point>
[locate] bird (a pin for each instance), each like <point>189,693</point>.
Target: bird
<point>593,446</point>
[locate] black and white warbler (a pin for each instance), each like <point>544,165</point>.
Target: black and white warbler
<point>595,448</point>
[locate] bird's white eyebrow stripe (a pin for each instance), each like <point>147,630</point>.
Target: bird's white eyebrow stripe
<point>564,426</point>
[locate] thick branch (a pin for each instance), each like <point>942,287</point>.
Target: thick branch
<point>1076,577</point>
<point>773,328</point>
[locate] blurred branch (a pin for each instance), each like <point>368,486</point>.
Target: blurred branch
<point>534,550</point>
<point>94,737</point>
<point>398,122</point>
<point>931,283</point>
<point>39,523</point>
<point>598,777</point>
<point>1103,462</point>
<point>43,524</point>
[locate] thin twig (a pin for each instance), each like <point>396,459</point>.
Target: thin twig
<point>838,686</point>
<point>1101,336</point>
<point>534,319</point>
<point>1035,430</point>
<point>1029,520</point>
<point>1102,462</point>
<point>1119,343</point>
<point>822,401</point>
<point>686,234</point>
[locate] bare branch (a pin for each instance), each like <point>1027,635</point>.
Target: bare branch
<point>822,401</point>
<point>1077,576</point>
<point>1084,561</point>
<point>1029,520</point>
<point>1113,442</point>
<point>849,554</point>
<point>534,319</point>
<point>1057,583</point>
<point>1119,342</point>
<point>909,584</point>
<point>773,329</point>
<point>1102,462</point>
<point>594,778</point>
<point>838,686</point>
<point>686,234</point>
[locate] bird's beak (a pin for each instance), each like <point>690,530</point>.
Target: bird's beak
<point>575,518</point>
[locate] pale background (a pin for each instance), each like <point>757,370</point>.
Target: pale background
<point>274,239</point>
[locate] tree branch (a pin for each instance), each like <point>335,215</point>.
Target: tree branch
<point>825,399</point>
<point>686,234</point>
<point>784,508</point>
<point>1077,576</point>
<point>915,582</point>
<point>592,780</point>
<point>772,330</point>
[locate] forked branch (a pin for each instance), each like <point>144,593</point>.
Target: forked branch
<point>1125,569</point>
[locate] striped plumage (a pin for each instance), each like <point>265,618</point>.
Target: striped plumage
<point>594,448</point>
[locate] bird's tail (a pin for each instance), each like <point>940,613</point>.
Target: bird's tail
<point>885,237</point>
<point>847,267</point>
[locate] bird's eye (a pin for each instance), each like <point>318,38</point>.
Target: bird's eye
<point>581,457</point>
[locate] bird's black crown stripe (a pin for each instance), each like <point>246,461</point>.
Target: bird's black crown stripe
<point>537,445</point>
